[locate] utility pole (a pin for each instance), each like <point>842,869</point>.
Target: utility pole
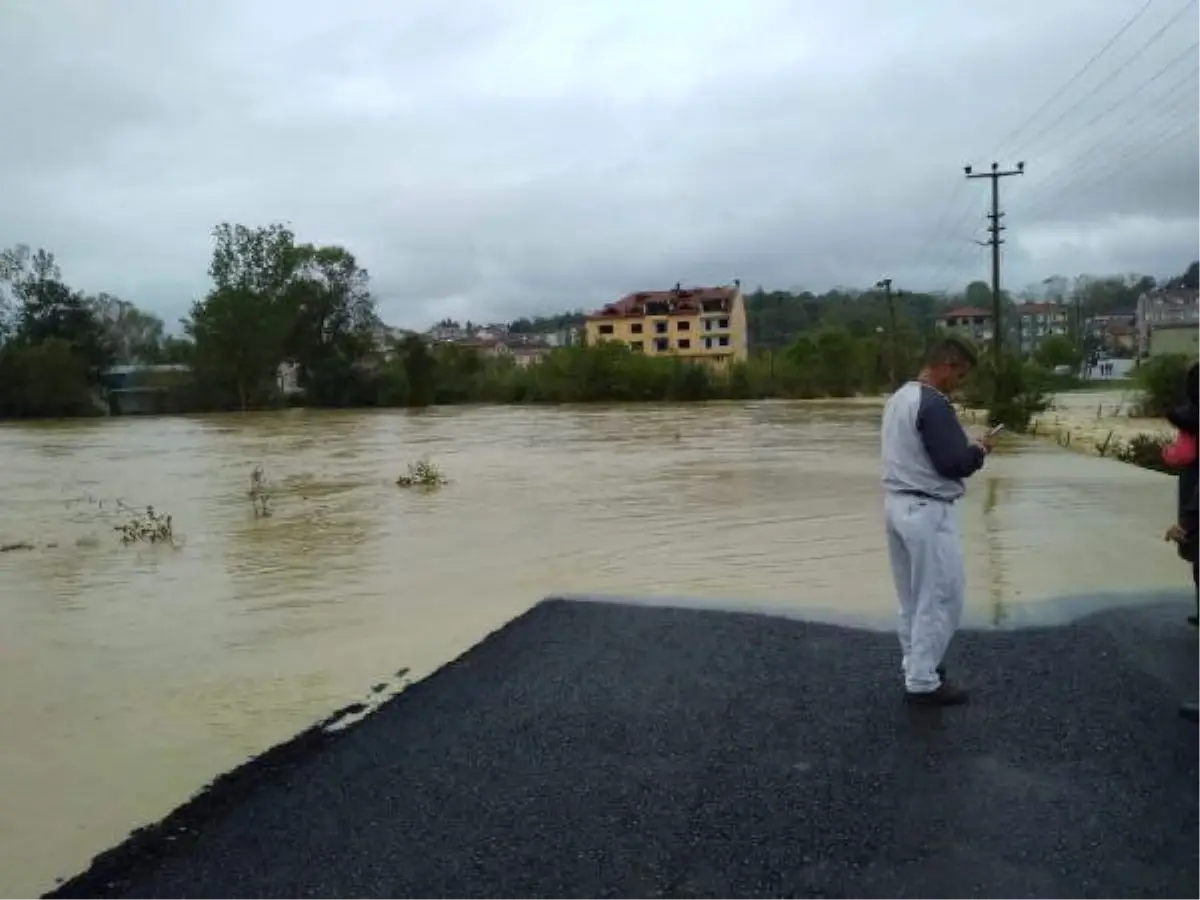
<point>994,242</point>
<point>886,284</point>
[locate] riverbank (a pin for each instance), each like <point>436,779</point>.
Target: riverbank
<point>1098,423</point>
<point>596,749</point>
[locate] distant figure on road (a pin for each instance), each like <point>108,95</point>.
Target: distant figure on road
<point>926,456</point>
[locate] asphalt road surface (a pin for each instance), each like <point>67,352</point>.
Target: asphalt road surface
<point>597,750</point>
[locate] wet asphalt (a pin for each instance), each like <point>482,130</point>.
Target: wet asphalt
<point>599,750</point>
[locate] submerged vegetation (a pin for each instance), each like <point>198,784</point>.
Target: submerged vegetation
<point>148,527</point>
<point>1145,450</point>
<point>1161,385</point>
<point>422,473</point>
<point>260,492</point>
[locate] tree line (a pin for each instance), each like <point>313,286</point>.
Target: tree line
<point>273,299</point>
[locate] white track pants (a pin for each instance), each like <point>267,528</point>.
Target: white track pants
<point>927,566</point>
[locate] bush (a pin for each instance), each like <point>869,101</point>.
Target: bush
<point>1145,450</point>
<point>1012,395</point>
<point>422,473</point>
<point>1161,381</point>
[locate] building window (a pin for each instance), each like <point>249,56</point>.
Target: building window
<point>636,346</point>
<point>636,328</point>
<point>723,323</point>
<point>683,326</point>
<point>723,340</point>
<point>684,344</point>
<point>708,343</point>
<point>660,327</point>
<point>606,329</point>
<point>661,344</point>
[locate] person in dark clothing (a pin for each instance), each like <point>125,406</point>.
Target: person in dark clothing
<point>1186,531</point>
<point>1187,419</point>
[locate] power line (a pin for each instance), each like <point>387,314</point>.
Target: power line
<point>959,255</point>
<point>1188,78</point>
<point>956,257</point>
<point>1074,78</point>
<point>1130,136</point>
<point>1114,73</point>
<point>1089,178</point>
<point>936,231</point>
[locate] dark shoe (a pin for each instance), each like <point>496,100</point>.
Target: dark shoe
<point>1188,711</point>
<point>945,695</point>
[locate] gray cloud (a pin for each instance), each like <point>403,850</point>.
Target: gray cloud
<point>490,159</point>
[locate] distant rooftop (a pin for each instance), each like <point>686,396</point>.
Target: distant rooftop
<point>677,300</point>
<point>961,312</point>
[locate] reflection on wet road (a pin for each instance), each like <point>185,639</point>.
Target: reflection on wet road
<point>133,675</point>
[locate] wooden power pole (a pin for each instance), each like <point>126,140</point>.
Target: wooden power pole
<point>886,284</point>
<point>994,242</point>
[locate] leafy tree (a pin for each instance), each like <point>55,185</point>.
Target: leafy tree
<point>332,319</point>
<point>1189,279</point>
<point>240,328</point>
<point>238,337</point>
<point>135,336</point>
<point>420,368</point>
<point>1057,350</point>
<point>1162,382</point>
<point>978,294</point>
<point>40,307</point>
<point>44,379</point>
<point>544,324</point>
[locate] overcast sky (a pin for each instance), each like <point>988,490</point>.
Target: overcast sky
<point>493,159</point>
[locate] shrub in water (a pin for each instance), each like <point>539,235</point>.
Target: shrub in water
<point>1161,381</point>
<point>1012,394</point>
<point>422,473</point>
<point>1145,450</point>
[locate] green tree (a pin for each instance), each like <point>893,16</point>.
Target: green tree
<point>420,369</point>
<point>39,307</point>
<point>241,327</point>
<point>238,340</point>
<point>1162,382</point>
<point>332,325</point>
<point>135,336</point>
<point>44,379</point>
<point>1057,350</point>
<point>978,294</point>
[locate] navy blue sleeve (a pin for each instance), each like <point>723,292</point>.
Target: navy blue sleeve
<point>949,450</point>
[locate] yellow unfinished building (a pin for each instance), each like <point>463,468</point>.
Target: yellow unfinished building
<point>698,324</point>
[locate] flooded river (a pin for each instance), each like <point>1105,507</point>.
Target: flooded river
<point>132,675</point>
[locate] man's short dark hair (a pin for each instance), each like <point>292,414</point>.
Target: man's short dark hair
<point>950,351</point>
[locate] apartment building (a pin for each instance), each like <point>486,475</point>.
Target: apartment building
<point>701,324</point>
<point>1034,322</point>
<point>1168,321</point>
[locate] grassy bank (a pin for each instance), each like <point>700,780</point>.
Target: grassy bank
<point>1108,430</point>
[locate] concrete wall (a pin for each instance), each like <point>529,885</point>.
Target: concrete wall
<point>1179,339</point>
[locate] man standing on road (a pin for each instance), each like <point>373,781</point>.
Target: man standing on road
<point>926,456</point>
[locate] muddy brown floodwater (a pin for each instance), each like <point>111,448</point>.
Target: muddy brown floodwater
<point>130,676</point>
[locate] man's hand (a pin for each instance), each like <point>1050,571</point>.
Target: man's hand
<point>986,443</point>
<point>1175,533</point>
